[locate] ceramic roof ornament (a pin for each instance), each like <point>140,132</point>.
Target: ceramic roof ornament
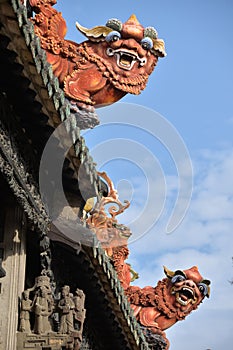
<point>155,308</point>
<point>116,58</point>
<point>174,298</point>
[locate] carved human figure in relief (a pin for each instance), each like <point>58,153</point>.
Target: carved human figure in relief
<point>66,306</point>
<point>43,307</point>
<point>115,60</point>
<point>79,310</point>
<point>175,297</point>
<point>79,317</point>
<point>26,306</point>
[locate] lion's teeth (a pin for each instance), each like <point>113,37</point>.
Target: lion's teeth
<point>182,302</point>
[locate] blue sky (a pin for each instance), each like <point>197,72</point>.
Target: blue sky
<point>192,88</point>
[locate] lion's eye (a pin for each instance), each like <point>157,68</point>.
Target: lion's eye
<point>177,278</point>
<point>113,36</point>
<point>147,43</point>
<point>203,288</point>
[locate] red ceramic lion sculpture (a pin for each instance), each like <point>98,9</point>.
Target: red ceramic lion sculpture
<point>175,297</point>
<point>155,308</point>
<point>115,60</point>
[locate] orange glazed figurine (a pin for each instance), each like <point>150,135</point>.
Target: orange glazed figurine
<point>155,308</point>
<point>115,60</point>
<point>175,297</point>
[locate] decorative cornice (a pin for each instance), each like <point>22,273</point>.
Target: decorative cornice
<point>20,181</point>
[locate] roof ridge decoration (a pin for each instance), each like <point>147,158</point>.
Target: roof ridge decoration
<point>103,220</point>
<point>112,235</point>
<point>155,308</point>
<point>184,288</point>
<point>43,68</point>
<point>115,60</point>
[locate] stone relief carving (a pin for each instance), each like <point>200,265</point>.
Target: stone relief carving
<point>42,305</point>
<point>66,307</point>
<point>79,317</point>
<point>38,306</point>
<point>26,307</point>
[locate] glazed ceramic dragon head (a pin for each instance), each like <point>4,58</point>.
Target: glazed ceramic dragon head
<point>129,51</point>
<point>186,289</point>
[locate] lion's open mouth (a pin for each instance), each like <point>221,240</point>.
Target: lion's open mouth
<point>126,59</point>
<point>184,296</point>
